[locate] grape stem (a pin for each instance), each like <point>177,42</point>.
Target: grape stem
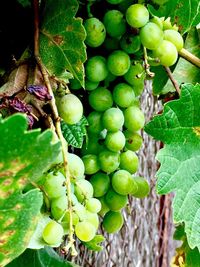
<point>174,82</point>
<point>146,64</point>
<point>57,124</point>
<point>189,57</point>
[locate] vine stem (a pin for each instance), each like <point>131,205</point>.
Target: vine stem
<point>146,64</point>
<point>174,82</point>
<point>189,57</point>
<point>56,120</point>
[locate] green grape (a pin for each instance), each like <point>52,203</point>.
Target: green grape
<point>110,78</point>
<point>90,86</point>
<point>83,190</point>
<point>115,141</point>
<point>175,38</point>
<point>135,75</point>
<point>75,84</point>
<point>167,53</point>
<point>143,187</point>
<point>111,43</point>
<point>114,2</point>
<point>92,218</point>
<point>157,21</point>
<point>54,185</point>
<point>92,146</point>
<point>80,211</point>
<point>100,99</point>
<point>93,205</point>
<point>109,161</point>
<point>123,95</point>
<point>115,23</point>
<point>66,220</point>
<point>101,183</point>
<point>96,69</point>
<point>104,207</point>
<point>129,161</point>
<point>85,231</point>
<point>113,119</point>
<point>94,121</point>
<point>115,201</point>
<point>130,43</point>
<point>113,221</point>
<point>118,62</point>
<point>74,199</point>
<point>53,233</point>
<point>76,166</point>
<point>96,32</point>
<point>151,35</point>
<point>133,140</point>
<point>70,108</point>
<point>137,15</point>
<point>122,182</point>
<point>133,118</point>
<point>59,206</point>
<point>91,164</point>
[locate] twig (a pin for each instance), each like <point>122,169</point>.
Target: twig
<point>56,120</point>
<point>174,82</point>
<point>189,57</point>
<point>146,64</point>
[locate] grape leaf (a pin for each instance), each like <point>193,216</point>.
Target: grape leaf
<point>94,243</point>
<point>74,134</point>
<point>25,3</point>
<point>46,257</point>
<point>62,39</point>
<point>24,156</point>
<point>179,128</point>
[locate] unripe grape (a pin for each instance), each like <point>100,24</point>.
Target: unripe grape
<point>113,119</point>
<point>91,164</point>
<point>123,95</point>
<point>94,121</point>
<point>115,141</point>
<point>129,161</point>
<point>115,201</point>
<point>100,99</point>
<point>135,74</point>
<point>85,231</point>
<point>143,187</point>
<point>175,38</point>
<point>101,183</point>
<point>76,166</point>
<point>83,190</point>
<point>59,206</point>
<point>115,23</point>
<point>118,62</point>
<point>96,69</point>
<point>75,84</point>
<point>93,205</point>
<point>134,118</point>
<point>109,161</point>
<point>96,32</point>
<point>92,218</point>
<point>53,233</point>
<point>122,182</point>
<point>133,140</point>
<point>113,221</point>
<point>104,207</point>
<point>54,185</point>
<point>137,15</point>
<point>130,43</point>
<point>89,85</point>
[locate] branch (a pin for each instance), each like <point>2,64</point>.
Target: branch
<point>189,57</point>
<point>36,27</point>
<point>174,82</point>
<point>146,64</point>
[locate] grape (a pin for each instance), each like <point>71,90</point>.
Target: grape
<point>115,141</point>
<point>137,15</point>
<point>66,220</point>
<point>111,43</point>
<point>54,185</point>
<point>74,199</point>
<point>167,53</point>
<point>85,231</point>
<point>115,201</point>
<point>75,84</point>
<point>83,190</point>
<point>133,118</point>
<point>89,85</point>
<point>96,69</point>
<point>101,183</point>
<point>109,161</point>
<point>143,187</point>
<point>76,166</point>
<point>129,161</point>
<point>158,21</point>
<point>58,207</point>
<point>118,62</point>
<point>151,36</point>
<point>175,38</point>
<point>70,108</point>
<point>122,182</point>
<point>96,32</point>
<point>113,221</point>
<point>113,119</point>
<point>92,146</point>
<point>80,211</point>
<point>130,43</point>
<point>104,206</point>
<point>91,164</point>
<point>93,205</point>
<point>94,121</point>
<point>133,140</point>
<point>110,78</point>
<point>92,218</point>
<point>115,23</point>
<point>100,99</point>
<point>53,233</point>
<point>114,2</point>
<point>123,95</point>
<point>135,74</point>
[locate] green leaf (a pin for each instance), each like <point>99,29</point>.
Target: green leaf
<point>185,72</point>
<point>94,243</point>
<point>74,134</point>
<point>62,39</point>
<point>46,257</point>
<point>179,128</point>
<point>25,3</point>
<point>18,219</point>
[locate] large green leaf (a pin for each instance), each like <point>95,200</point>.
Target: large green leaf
<point>61,40</point>
<point>46,257</point>
<point>179,128</point>
<point>24,156</point>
